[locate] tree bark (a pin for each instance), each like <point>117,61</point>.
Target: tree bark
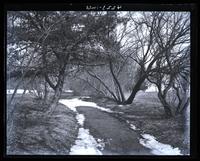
<point>135,90</point>
<point>58,90</point>
<point>166,106</point>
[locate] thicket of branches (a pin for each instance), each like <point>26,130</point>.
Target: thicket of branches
<point>112,52</point>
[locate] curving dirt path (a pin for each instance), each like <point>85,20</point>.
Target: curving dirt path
<point>118,137</point>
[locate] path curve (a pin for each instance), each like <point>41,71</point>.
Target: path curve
<point>118,137</point>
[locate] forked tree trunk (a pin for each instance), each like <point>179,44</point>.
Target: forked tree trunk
<point>58,91</point>
<point>166,106</point>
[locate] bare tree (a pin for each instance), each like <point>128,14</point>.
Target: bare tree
<point>157,33</point>
<point>62,39</point>
<point>145,38</point>
<point>83,40</point>
<point>173,79</point>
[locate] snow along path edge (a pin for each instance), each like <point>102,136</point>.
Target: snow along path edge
<point>156,147</point>
<point>85,143</point>
<point>148,141</point>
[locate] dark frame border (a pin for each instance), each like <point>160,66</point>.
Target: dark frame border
<point>136,6</point>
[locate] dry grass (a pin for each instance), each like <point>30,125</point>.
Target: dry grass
<point>30,133</point>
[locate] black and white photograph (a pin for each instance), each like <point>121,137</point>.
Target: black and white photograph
<point>98,82</point>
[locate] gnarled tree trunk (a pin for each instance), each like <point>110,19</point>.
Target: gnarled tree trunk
<point>58,90</point>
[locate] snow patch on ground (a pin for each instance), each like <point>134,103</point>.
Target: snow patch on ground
<point>80,118</point>
<point>19,91</point>
<point>69,91</point>
<point>69,103</point>
<point>101,143</point>
<point>131,125</point>
<point>85,144</point>
<point>75,102</point>
<point>85,97</point>
<point>158,148</point>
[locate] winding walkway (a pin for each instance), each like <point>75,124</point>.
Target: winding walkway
<point>119,139</point>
